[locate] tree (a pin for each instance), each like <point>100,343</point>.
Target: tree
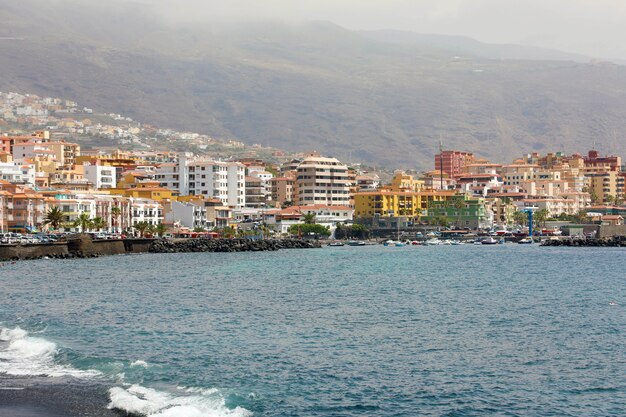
<point>142,227</point>
<point>116,212</point>
<point>581,217</point>
<point>160,229</point>
<point>83,222</point>
<point>54,217</point>
<point>355,231</point>
<point>594,197</point>
<point>609,199</point>
<point>309,229</point>
<point>442,221</point>
<point>227,232</point>
<point>541,216</point>
<point>98,223</point>
<point>287,203</point>
<point>520,218</point>
<point>309,218</point>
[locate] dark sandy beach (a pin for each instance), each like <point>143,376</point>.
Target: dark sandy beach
<point>48,397</point>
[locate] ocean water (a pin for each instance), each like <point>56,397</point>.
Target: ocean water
<point>503,330</point>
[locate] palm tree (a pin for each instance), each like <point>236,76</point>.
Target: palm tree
<point>98,223</point>
<point>115,214</point>
<point>581,217</point>
<point>520,218</point>
<point>309,218</point>
<point>142,227</point>
<point>54,217</point>
<point>83,221</point>
<point>160,229</point>
<point>541,216</point>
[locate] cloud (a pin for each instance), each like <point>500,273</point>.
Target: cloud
<point>592,27</point>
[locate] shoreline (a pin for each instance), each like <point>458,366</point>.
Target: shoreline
<point>51,397</point>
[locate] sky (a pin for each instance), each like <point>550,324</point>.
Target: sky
<point>596,28</point>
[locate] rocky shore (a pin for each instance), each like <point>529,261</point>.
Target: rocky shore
<point>229,245</point>
<point>615,241</point>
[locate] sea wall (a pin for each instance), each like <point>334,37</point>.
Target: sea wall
<point>229,245</point>
<point>608,231</point>
<point>614,241</point>
<point>84,247</point>
<point>15,252</point>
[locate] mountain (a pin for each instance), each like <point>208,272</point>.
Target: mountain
<point>382,97</point>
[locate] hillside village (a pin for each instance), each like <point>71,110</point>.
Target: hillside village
<point>143,181</point>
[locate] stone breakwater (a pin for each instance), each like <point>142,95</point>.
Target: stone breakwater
<point>615,241</point>
<point>84,247</point>
<point>229,245</point>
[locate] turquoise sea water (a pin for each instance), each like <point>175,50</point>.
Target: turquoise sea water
<point>510,330</point>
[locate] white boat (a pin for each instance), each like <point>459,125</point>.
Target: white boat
<point>489,241</point>
<point>335,244</point>
<point>432,242</point>
<point>525,241</point>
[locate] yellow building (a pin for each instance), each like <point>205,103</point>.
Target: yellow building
<point>132,179</point>
<point>607,186</point>
<point>65,152</point>
<point>147,190</point>
<point>387,202</point>
<point>402,181</point>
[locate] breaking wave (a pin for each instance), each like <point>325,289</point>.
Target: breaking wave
<point>191,402</point>
<point>24,355</point>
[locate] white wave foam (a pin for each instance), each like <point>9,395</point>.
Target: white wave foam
<point>141,363</point>
<point>151,403</point>
<point>22,355</point>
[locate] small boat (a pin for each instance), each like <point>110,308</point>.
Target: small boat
<point>489,241</point>
<point>335,244</point>
<point>478,242</point>
<point>415,243</point>
<point>555,231</point>
<point>456,242</point>
<point>432,242</point>
<point>388,242</point>
<point>400,244</point>
<point>356,243</point>
<point>525,241</point>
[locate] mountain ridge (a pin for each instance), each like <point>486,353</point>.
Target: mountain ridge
<point>314,85</point>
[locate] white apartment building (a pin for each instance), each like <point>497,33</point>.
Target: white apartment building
<point>205,177</point>
<point>554,206</point>
<point>266,178</point>
<point>186,214</point>
<point>30,150</point>
<point>322,181</point>
<point>15,172</point>
<point>145,210</point>
<point>101,176</point>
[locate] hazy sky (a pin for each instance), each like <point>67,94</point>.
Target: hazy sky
<point>596,28</point>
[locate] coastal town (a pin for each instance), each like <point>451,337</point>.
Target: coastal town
<point>129,179</point>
